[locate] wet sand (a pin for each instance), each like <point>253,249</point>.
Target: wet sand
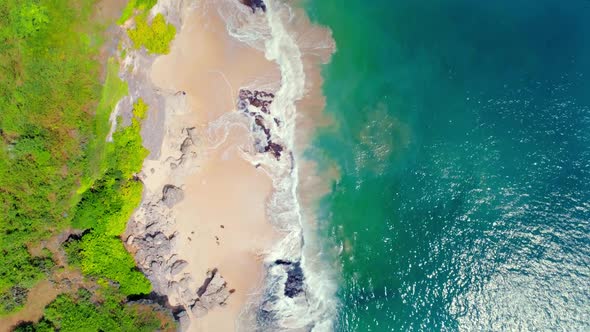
<point>221,223</point>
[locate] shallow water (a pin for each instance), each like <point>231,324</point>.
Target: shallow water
<point>463,143</point>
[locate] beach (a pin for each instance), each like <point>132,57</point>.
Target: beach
<point>219,231</point>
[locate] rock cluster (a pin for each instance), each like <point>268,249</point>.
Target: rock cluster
<point>156,258</point>
<point>153,237</point>
<point>256,104</point>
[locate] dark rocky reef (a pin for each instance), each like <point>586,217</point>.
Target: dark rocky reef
<point>258,99</point>
<point>285,279</point>
<point>256,104</point>
<point>295,277</point>
<point>254,5</point>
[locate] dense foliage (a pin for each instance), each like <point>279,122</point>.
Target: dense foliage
<point>57,170</point>
<point>48,93</point>
<point>155,37</point>
<point>102,310</point>
<point>107,205</point>
<point>134,6</point>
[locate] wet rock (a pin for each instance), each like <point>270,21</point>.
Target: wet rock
<point>258,99</point>
<point>171,195</point>
<point>256,104</point>
<point>275,149</point>
<point>283,262</point>
<point>295,278</point>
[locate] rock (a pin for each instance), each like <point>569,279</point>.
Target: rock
<point>258,99</point>
<point>177,267</point>
<point>185,146</point>
<point>275,149</point>
<point>283,262</point>
<point>199,310</point>
<point>213,291</point>
<point>295,278</point>
<point>182,318</point>
<point>192,133</point>
<point>171,195</point>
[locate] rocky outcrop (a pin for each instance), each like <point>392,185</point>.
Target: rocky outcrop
<point>212,293</point>
<point>255,5</point>
<point>153,238</point>
<point>256,104</point>
<point>171,195</point>
<point>156,258</point>
<point>295,278</point>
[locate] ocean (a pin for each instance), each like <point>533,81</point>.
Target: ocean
<point>462,135</point>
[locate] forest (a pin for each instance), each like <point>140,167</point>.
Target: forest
<point>58,173</point>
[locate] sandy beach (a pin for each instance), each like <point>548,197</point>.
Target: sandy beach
<point>219,211</point>
<point>221,222</point>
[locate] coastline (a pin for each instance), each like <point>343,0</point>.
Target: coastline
<point>220,228</point>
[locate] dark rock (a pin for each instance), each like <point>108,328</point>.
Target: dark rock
<point>283,262</point>
<point>295,278</point>
<point>275,149</point>
<point>258,99</point>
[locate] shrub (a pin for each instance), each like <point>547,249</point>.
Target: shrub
<point>105,256</point>
<point>156,37</point>
<point>106,207</point>
<point>141,6</point>
<point>84,312</point>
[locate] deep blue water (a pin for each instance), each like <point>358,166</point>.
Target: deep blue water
<point>463,139</point>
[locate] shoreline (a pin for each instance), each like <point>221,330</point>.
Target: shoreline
<point>220,228</point>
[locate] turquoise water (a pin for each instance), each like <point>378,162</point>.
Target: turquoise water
<point>463,138</point>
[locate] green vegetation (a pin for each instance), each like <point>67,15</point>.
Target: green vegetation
<point>156,37</point>
<point>58,171</point>
<point>113,90</point>
<point>102,310</point>
<point>133,6</point>
<point>107,205</point>
<point>48,91</point>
